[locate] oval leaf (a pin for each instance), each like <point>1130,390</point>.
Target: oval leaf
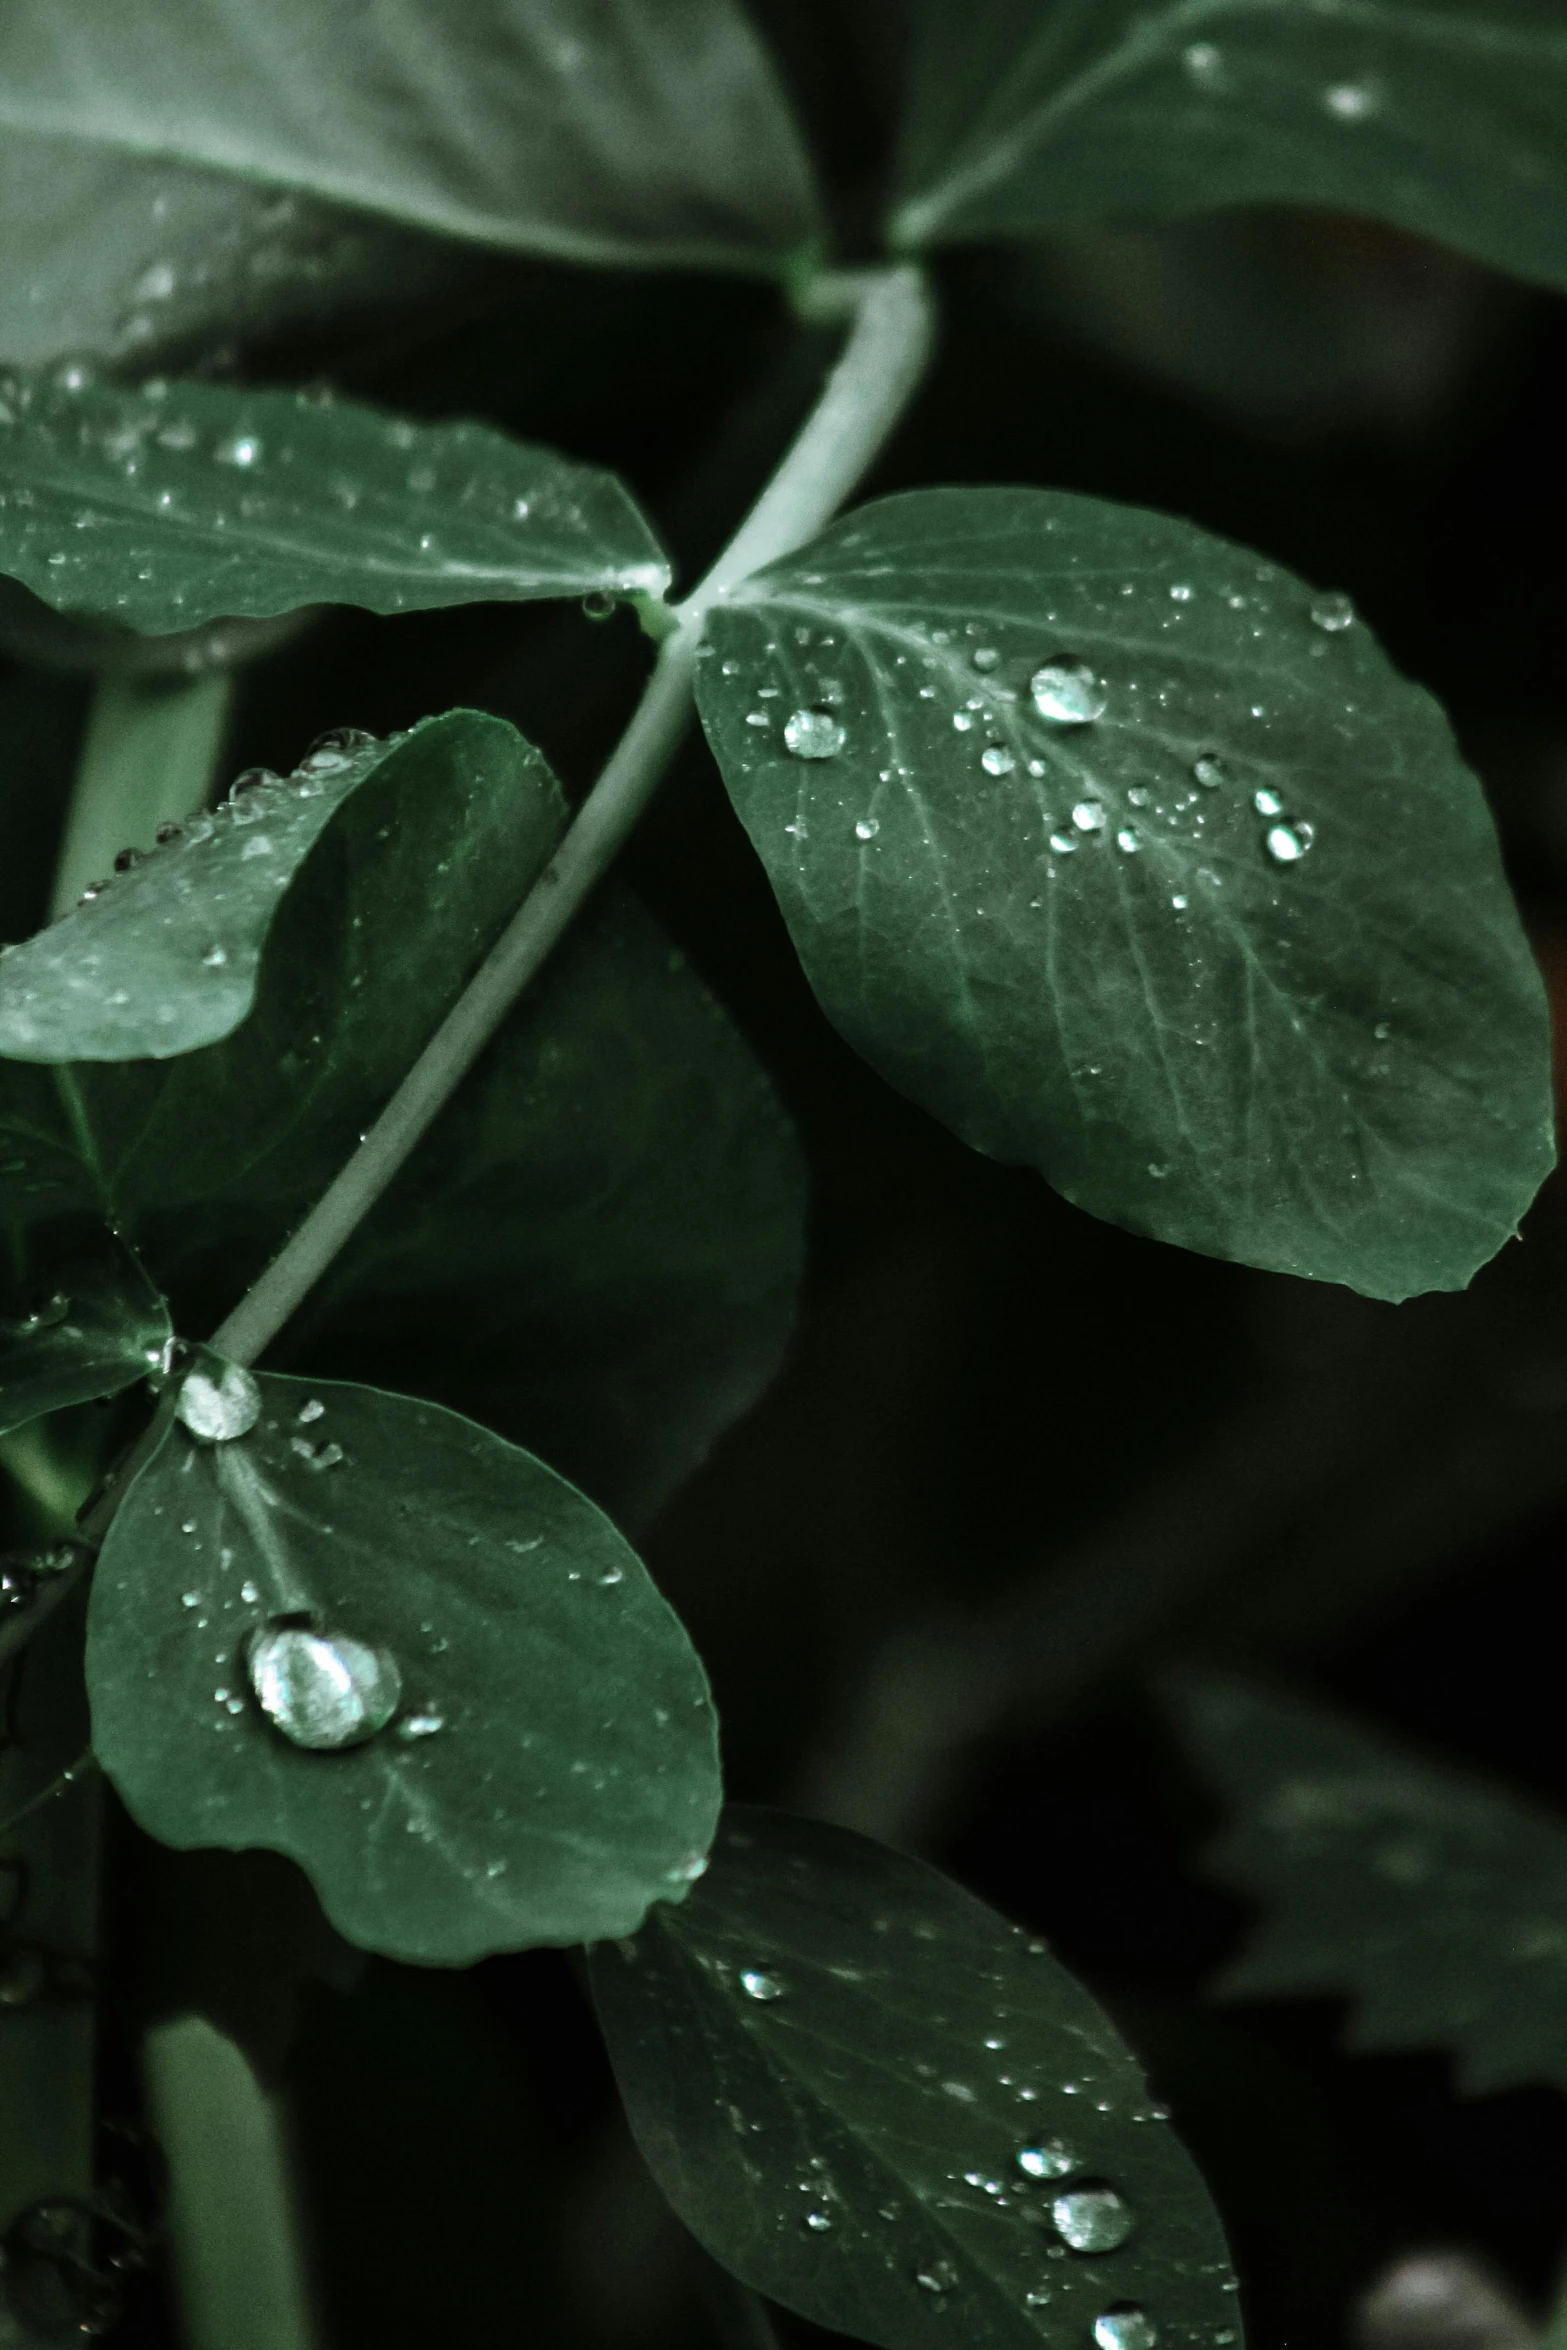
<point>404,892</point>
<point>166,507</point>
<point>597,130</point>
<point>1445,117</point>
<point>1437,1903</point>
<point>102,1327</point>
<point>866,2093</point>
<point>551,1766</point>
<point>1102,948</point>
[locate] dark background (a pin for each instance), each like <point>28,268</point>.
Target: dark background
<point>996,1410</point>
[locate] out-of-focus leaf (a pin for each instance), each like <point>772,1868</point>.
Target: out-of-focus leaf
<point>1437,1903</point>
<point>547,1766</point>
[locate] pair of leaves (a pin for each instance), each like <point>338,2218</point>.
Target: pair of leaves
<point>877,2102</point>
<point>594,130</point>
<point>1444,117</point>
<point>1134,860</point>
<point>552,1767</point>
<point>1437,1903</point>
<point>161,509</point>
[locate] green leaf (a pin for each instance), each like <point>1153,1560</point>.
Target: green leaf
<point>103,1327</point>
<point>1445,117</point>
<point>550,1769</point>
<point>400,898</point>
<point>1100,948</point>
<point>162,508</point>
<point>595,130</point>
<point>836,2064</point>
<point>134,259</point>
<point>1434,1901</point>
<point>598,1247</point>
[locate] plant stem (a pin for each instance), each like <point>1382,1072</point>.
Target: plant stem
<point>863,399</point>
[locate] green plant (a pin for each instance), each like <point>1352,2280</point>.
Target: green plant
<point>1128,855</point>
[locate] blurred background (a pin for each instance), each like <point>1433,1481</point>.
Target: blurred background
<point>1016,1460</point>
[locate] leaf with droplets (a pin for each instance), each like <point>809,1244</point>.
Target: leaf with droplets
<point>102,1327</point>
<point>388,914</point>
<point>1444,117</point>
<point>883,2106</point>
<point>159,509</point>
<point>594,130</point>
<point>522,1745</point>
<point>1436,1902</point>
<point>597,1250</point>
<point>1137,862</point>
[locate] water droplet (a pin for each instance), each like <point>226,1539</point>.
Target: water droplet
<point>963,720</point>
<point>311,1409</point>
<point>1067,693</point>
<point>1062,844</point>
<point>1088,816</point>
<point>813,734</point>
<point>1350,101</point>
<point>340,748</point>
<point>1267,803</point>
<point>1092,2219</point>
<point>243,450</point>
<point>190,1599</point>
<point>937,2276</point>
<point>421,1726</point>
<point>1127,841</point>
<point>214,957</point>
<point>818,2222</point>
<point>1287,843</point>
<point>867,828</point>
<point>323,1690</point>
<point>756,1983</point>
<point>598,604</point>
<point>1210,770</point>
<point>1050,2160</point>
<point>219,1401</point>
<point>1126,2326</point>
<point>1204,64</point>
<point>997,759</point>
<point>1334,612</point>
<point>613,1573</point>
<point>985,656</point>
<point>249,1593</point>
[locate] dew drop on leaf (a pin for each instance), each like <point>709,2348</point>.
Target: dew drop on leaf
<point>323,1690</point>
<point>219,1403</point>
<point>813,734</point>
<point>997,760</point>
<point>243,450</point>
<point>1092,2219</point>
<point>756,1983</point>
<point>1204,64</point>
<point>1088,816</point>
<point>1209,770</point>
<point>1287,843</point>
<point>937,2276</point>
<point>1334,612</point>
<point>1125,2326</point>
<point>1267,803</point>
<point>867,828</point>
<point>1049,2160</point>
<point>1067,693</point>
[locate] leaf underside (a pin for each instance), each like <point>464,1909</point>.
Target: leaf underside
<point>1444,117</point>
<point>844,2134</point>
<point>1078,945</point>
<point>594,130</point>
<point>1437,1903</point>
<point>573,1778</point>
<point>160,509</point>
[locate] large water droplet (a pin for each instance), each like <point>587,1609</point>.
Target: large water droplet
<point>997,759</point>
<point>219,1401</point>
<point>813,734</point>
<point>1333,611</point>
<point>1067,693</point>
<point>1092,2219</point>
<point>1287,843</point>
<point>323,1690</point>
<point>757,1983</point>
<point>1126,2326</point>
<point>1049,2160</point>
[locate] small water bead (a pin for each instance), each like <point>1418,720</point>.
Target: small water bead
<point>1049,2160</point>
<point>1088,816</point>
<point>813,734</point>
<point>311,1409</point>
<point>1350,101</point>
<point>421,1726</point>
<point>818,2222</point>
<point>985,657</point>
<point>1204,65</point>
<point>867,828</point>
<point>1127,841</point>
<point>1333,612</point>
<point>1267,803</point>
<point>963,720</point>
<point>323,1690</point>
<point>937,2276</point>
<point>757,1983</point>
<point>1093,2219</point>
<point>1287,843</point>
<point>1210,770</point>
<point>219,1402</point>
<point>1062,844</point>
<point>997,760</point>
<point>1125,2326</point>
<point>243,450</point>
<point>1067,693</point>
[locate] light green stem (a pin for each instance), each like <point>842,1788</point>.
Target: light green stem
<point>866,394</point>
<point>148,758</point>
